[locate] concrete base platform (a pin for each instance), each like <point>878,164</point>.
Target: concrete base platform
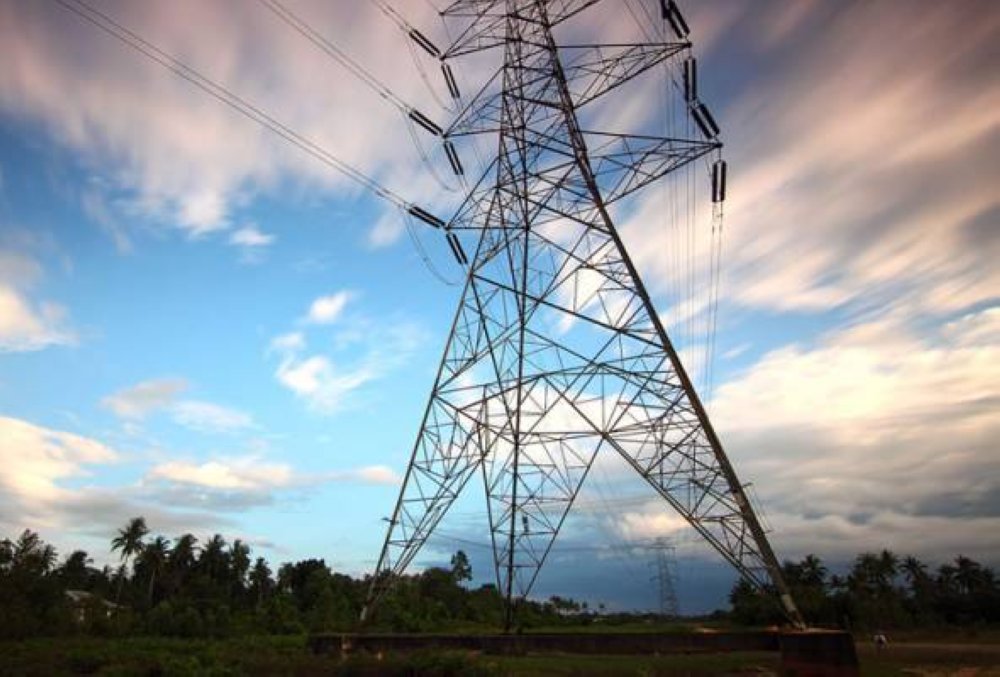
<point>817,653</point>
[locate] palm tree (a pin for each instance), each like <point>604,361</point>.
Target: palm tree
<point>213,557</point>
<point>31,555</point>
<point>154,559</point>
<point>181,558</point>
<point>946,579</point>
<point>968,574</point>
<point>260,579</point>
<point>888,567</point>
<point>812,571</point>
<point>129,541</point>
<point>74,571</point>
<point>239,562</point>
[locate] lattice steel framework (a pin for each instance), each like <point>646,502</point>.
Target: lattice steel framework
<point>556,353</point>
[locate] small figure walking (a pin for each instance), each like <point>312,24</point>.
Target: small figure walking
<point>881,641</point>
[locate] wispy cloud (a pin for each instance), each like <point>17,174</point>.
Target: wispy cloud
<point>363,350</point>
<point>209,417</point>
<point>252,242</point>
<point>141,399</point>
<point>162,395</point>
<point>183,158</point>
<point>28,324</point>
<point>862,170</point>
<point>871,435</point>
<point>239,483</point>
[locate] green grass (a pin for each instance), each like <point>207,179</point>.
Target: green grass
<point>946,655</point>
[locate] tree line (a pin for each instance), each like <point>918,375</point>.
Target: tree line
<point>881,590</point>
<point>183,587</point>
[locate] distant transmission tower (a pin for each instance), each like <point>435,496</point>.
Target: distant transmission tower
<point>556,353</point>
<point>666,577</point>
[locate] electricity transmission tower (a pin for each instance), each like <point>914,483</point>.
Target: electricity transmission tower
<point>666,578</point>
<point>556,353</point>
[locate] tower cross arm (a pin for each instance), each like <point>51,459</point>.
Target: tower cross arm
<point>594,70</point>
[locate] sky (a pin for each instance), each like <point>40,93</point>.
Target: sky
<point>201,324</point>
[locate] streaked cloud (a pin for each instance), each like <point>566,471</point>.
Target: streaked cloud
<point>179,156</point>
<point>862,172</point>
<point>871,435</point>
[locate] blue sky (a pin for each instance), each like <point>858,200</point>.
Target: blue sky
<point>202,324</point>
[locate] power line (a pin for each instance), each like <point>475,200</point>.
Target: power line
<point>337,54</point>
<point>231,99</point>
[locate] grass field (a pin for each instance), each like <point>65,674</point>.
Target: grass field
<point>920,655</point>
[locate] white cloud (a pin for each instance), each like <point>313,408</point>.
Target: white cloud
<point>292,341</point>
<point>874,377</point>
<point>184,158</point>
<point>860,178</point>
<point>209,417</point>
<point>365,351</point>
<point>251,237</point>
<point>871,436</point>
<point>95,206</point>
<point>34,461</point>
<point>327,309</point>
<point>243,474</point>
<point>27,325</point>
<point>316,380</point>
<point>373,474</point>
<point>251,242</point>
<point>136,402</point>
<point>248,480</point>
<point>387,230</point>
<point>42,475</point>
<point>147,397</point>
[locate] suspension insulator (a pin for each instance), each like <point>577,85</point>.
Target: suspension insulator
<point>425,216</point>
<point>449,79</point>
<point>456,165</point>
<point>425,43</point>
<point>456,249</point>
<point>705,121</point>
<point>425,122</point>
<point>670,12</point>
<point>719,181</point>
<point>690,79</point>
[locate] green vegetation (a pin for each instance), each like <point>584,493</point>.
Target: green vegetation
<point>183,607</point>
<point>881,591</point>
<point>183,588</point>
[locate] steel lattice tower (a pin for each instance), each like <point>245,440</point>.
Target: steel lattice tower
<point>556,353</point>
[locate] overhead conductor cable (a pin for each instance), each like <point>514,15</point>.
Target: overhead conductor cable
<point>239,104</point>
